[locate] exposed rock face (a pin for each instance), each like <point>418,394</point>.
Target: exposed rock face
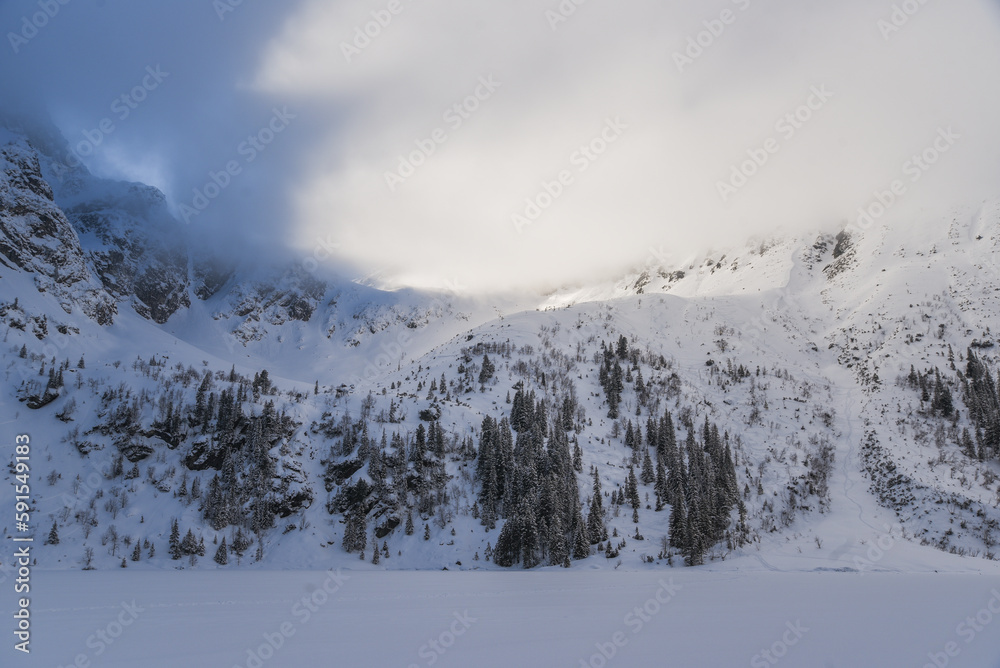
<point>209,277</point>
<point>36,237</point>
<point>96,242</point>
<point>136,262</point>
<point>99,245</point>
<point>114,242</point>
<point>295,295</point>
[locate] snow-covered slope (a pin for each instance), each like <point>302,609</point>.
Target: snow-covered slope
<point>136,366</point>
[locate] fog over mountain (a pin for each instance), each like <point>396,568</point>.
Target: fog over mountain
<point>442,144</point>
<point>495,334</point>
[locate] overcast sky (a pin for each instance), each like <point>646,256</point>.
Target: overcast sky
<point>582,142</point>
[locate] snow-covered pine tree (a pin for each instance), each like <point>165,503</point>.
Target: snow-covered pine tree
<point>222,554</point>
<point>53,537</point>
<point>175,541</point>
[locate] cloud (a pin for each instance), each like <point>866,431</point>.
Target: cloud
<point>521,144</point>
<point>866,90</point>
<point>88,64</point>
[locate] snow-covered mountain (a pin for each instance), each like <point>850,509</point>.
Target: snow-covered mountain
<point>788,402</point>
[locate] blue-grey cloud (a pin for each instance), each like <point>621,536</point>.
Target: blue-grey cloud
<point>518,144</point>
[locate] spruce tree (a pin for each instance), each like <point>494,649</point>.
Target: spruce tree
<point>486,371</point>
<point>240,544</point>
<point>189,545</point>
<point>175,541</point>
<point>581,546</point>
<point>355,531</point>
<point>558,550</point>
<point>596,531</point>
<point>529,535</point>
<point>678,522</point>
<point>968,447</point>
<point>508,546</point>
<point>632,488</point>
<point>53,538</point>
<point>648,475</point>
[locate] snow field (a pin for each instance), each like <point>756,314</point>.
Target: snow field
<point>680,617</point>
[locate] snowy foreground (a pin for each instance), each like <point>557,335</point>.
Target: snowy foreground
<point>669,617</point>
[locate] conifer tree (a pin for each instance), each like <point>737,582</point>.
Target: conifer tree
<point>581,545</point>
<point>557,547</point>
<point>596,531</point>
<point>486,371</point>
<point>355,531</point>
<point>529,536</point>
<point>507,550</point>
<point>632,488</point>
<point>648,475</point>
<point>240,545</point>
<point>189,545</point>
<point>53,537</point>
<point>175,541</point>
<point>678,522</point>
<point>968,447</point>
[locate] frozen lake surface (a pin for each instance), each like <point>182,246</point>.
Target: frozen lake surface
<point>670,617</point>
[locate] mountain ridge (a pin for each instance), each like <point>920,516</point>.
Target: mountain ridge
<point>806,355</point>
